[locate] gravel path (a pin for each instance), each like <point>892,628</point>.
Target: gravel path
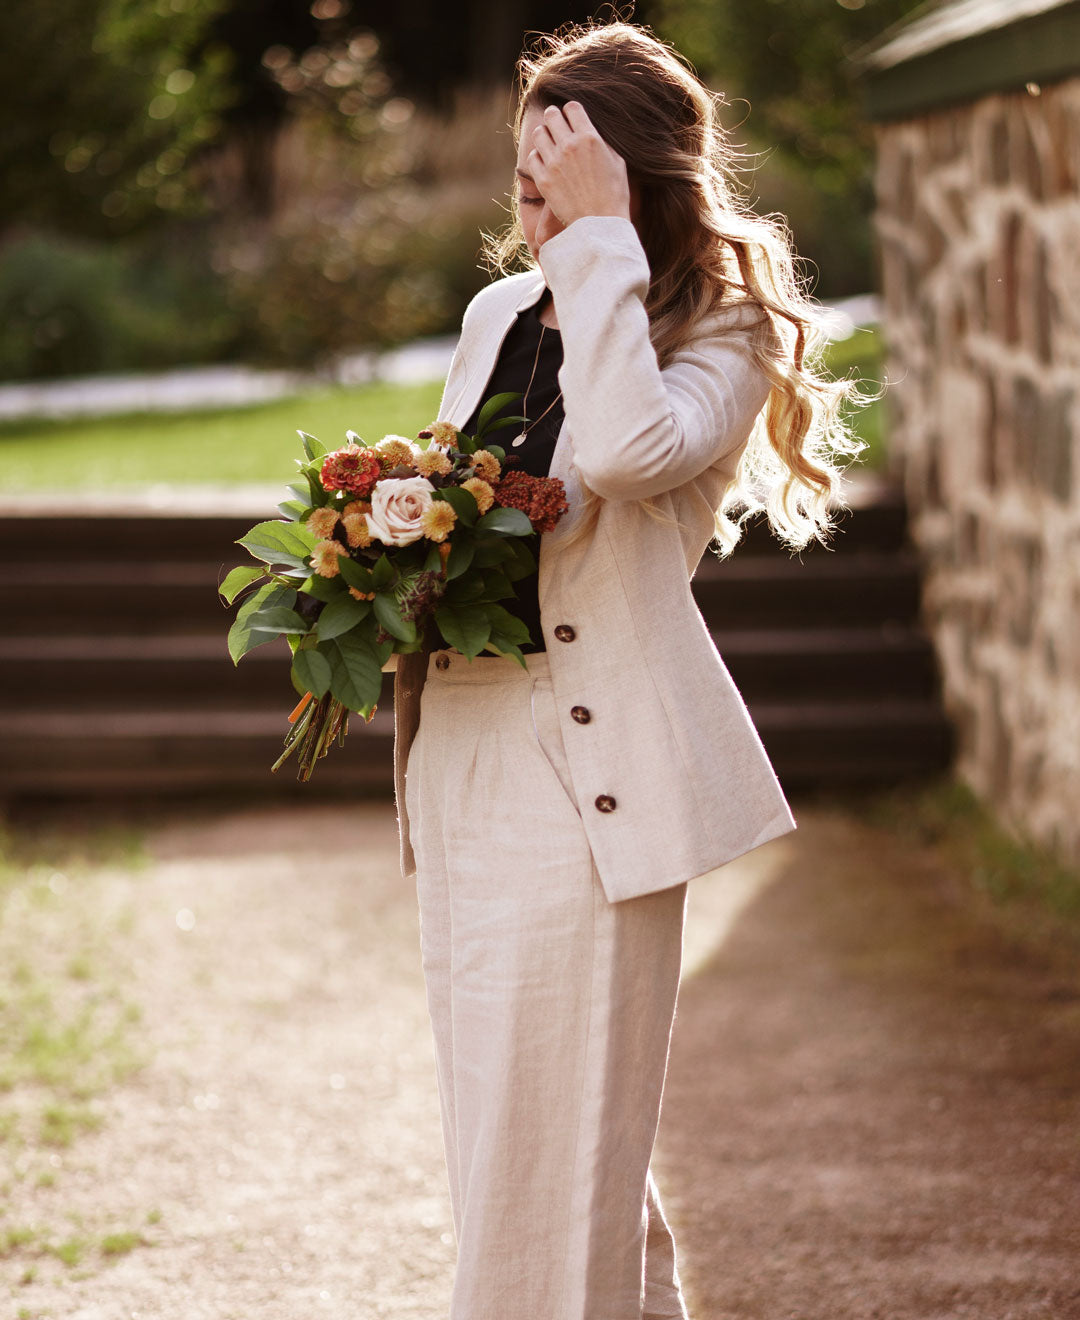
<point>871,1109</point>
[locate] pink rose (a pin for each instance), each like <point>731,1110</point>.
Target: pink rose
<point>397,505</point>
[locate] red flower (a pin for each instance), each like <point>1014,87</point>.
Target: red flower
<point>541,499</point>
<point>354,468</point>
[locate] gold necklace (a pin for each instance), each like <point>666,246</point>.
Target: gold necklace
<point>520,439</point>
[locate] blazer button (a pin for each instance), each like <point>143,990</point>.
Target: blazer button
<point>442,661</point>
<point>581,714</point>
<point>564,632</point>
<point>605,802</point>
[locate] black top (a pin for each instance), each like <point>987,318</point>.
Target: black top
<point>511,372</point>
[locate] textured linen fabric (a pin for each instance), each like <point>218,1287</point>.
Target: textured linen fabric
<point>551,1010</point>
<point>529,343</point>
<point>669,740</point>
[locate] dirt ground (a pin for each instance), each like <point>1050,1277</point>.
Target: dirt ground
<point>871,1110</point>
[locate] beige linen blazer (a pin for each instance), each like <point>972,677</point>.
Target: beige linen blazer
<point>670,738</point>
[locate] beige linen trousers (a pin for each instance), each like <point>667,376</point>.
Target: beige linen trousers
<point>551,1009</point>
<point>552,853</point>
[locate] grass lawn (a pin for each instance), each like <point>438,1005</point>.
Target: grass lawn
<point>221,447</point>
<point>258,444</point>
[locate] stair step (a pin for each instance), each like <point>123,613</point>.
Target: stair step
<point>141,671</point>
<point>109,751</point>
<point>864,587</point>
<point>138,670</point>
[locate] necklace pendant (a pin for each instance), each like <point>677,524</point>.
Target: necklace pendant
<point>519,439</point>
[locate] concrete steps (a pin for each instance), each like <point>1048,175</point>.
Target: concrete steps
<point>115,679</point>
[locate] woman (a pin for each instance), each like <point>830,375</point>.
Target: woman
<point>554,815</point>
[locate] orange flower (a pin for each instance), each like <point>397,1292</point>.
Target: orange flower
<point>439,433</point>
<point>481,491</point>
<point>485,464</point>
<point>324,558</point>
<point>433,460</point>
<point>354,468</point>
<point>322,522</point>
<point>437,520</point>
<point>357,532</point>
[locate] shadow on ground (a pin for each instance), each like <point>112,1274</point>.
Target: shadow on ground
<point>873,1101</point>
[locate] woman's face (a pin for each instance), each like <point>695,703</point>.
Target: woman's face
<point>538,221</point>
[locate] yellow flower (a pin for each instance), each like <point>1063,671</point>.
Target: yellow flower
<point>481,491</point>
<point>324,558</point>
<point>432,461</point>
<point>322,522</point>
<point>394,449</point>
<point>439,433</point>
<point>356,506</point>
<point>485,465</point>
<point>356,529</point>
<point>438,520</point>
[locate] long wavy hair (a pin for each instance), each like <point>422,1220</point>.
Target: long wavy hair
<point>706,248</point>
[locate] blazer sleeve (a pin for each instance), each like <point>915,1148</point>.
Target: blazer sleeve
<point>636,430</point>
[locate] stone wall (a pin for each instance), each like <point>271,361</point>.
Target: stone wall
<point>979,238</point>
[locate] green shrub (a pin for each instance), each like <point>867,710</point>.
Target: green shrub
<point>69,307</point>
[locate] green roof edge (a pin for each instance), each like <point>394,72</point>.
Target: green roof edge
<point>1044,48</point>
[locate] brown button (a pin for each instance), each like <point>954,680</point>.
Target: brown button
<point>605,802</point>
<point>581,714</point>
<point>564,632</point>
<point>442,662</point>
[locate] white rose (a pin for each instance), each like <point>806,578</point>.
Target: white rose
<point>397,505</point>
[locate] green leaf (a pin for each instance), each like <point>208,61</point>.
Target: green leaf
<point>242,637</point>
<point>238,578</point>
<point>277,619</point>
<point>465,444</point>
<point>493,405</point>
<point>503,421</point>
<point>433,561</point>
<point>318,497</point>
<point>356,575</point>
<point>505,522</point>
<point>326,589</point>
<point>497,451</point>
<point>493,550</point>
<point>497,585</point>
<point>355,671</point>
<point>279,543</point>
<point>382,574</point>
<point>311,672</point>
<point>341,615</point>
<point>294,510</point>
<point>312,448</point>
<point>460,556</point>
<point>465,589</point>
<point>501,646</point>
<point>463,502</point>
<point>522,561</point>
<point>465,626</point>
<point>388,613</point>
<point>507,625</point>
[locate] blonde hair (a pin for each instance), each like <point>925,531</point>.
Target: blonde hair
<point>706,248</point>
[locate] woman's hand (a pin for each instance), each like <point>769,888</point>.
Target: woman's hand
<point>575,169</point>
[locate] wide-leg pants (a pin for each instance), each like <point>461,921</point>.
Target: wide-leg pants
<point>551,1008</point>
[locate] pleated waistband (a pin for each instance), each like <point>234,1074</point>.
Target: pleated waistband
<point>453,667</point>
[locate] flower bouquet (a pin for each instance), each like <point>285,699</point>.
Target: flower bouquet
<point>378,540</point>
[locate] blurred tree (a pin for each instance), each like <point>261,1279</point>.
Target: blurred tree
<point>102,103</point>
<point>788,60</point>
